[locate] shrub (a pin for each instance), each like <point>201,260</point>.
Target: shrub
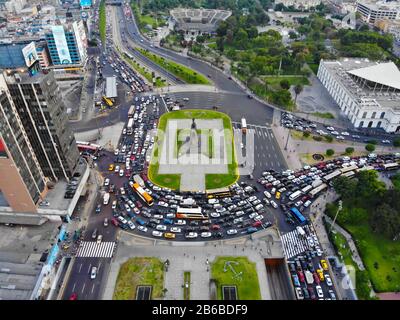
<point>317,138</point>
<point>370,147</point>
<point>396,142</point>
<point>330,152</point>
<point>372,141</point>
<point>349,150</point>
<point>306,134</point>
<point>329,138</point>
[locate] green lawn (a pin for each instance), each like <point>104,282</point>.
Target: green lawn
<point>182,72</point>
<point>186,291</point>
<point>139,271</point>
<point>213,181</point>
<point>396,181</point>
<point>373,249</point>
<point>325,115</point>
<point>102,21</point>
<point>247,286</point>
<point>144,20</point>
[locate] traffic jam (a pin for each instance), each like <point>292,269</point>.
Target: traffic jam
<point>241,209</point>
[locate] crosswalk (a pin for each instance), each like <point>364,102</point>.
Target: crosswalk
<point>92,249</point>
<point>294,244</point>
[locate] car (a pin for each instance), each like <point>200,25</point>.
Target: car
<point>98,208</point>
<point>296,281</point>
<point>93,273</point>
<point>142,228</point>
<point>332,294</point>
<point>191,235</point>
<point>311,292</point>
<point>299,293</point>
<point>328,280</point>
<point>205,234</point>
<point>106,182</point>
<point>114,204</point>
<point>180,222</point>
<point>114,222</point>
<point>231,232</point>
<point>169,235</point>
<point>111,167</point>
<point>175,229</point>
<point>324,265</point>
<point>215,215</point>
<point>386,141</point>
<point>99,238</point>
<point>161,227</point>
<point>105,222</point>
<point>94,234</point>
<point>320,293</point>
<point>273,204</point>
<point>307,203</point>
<point>320,274</point>
<point>156,233</point>
<point>131,225</point>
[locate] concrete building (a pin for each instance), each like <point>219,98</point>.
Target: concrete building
<point>299,4</point>
<point>372,11</point>
<point>390,26</point>
<point>367,92</point>
<point>41,109</point>
<point>15,6</point>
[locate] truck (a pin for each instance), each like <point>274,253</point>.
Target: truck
<point>106,198</point>
<point>309,277</point>
<point>131,111</point>
<point>244,125</point>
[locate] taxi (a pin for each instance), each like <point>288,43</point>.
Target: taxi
<point>169,235</point>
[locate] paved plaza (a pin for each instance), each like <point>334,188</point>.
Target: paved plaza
<point>194,164</point>
<point>192,256</point>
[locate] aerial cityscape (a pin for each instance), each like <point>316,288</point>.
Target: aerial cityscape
<point>199,150</point>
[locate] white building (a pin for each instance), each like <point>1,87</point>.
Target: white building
<point>299,4</point>
<point>15,6</point>
<point>378,10</point>
<point>367,92</point>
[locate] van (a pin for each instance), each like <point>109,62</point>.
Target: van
<point>301,231</point>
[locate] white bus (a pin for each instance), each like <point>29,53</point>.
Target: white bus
<point>317,190</point>
<point>295,195</point>
<point>244,125</point>
<point>306,189</point>
<point>365,168</point>
<point>390,166</point>
<point>131,111</point>
<point>349,174</point>
<point>349,168</point>
<point>332,175</point>
<point>190,213</point>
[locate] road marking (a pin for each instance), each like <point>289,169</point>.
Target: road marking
<point>73,287</point>
<point>83,288</point>
<point>93,287</point>
<point>90,266</point>
<point>96,250</point>
<point>80,267</point>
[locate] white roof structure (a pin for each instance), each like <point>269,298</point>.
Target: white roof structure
<point>111,87</point>
<point>386,74</point>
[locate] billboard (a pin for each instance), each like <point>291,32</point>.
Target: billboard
<point>61,44</point>
<point>3,152</point>
<point>30,54</point>
<point>85,3</point>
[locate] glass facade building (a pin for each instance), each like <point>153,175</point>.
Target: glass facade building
<point>54,47</point>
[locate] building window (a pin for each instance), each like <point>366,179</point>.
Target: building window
<point>379,124</point>
<point>361,124</point>
<point>382,115</point>
<point>370,124</point>
<point>364,115</point>
<point>373,115</point>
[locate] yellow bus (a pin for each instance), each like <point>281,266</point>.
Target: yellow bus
<point>142,194</point>
<point>108,101</point>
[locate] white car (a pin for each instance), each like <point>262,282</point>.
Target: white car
<point>273,204</point>
<point>142,228</point>
<point>252,198</point>
<point>191,235</point>
<point>116,152</point>
<point>260,207</point>
<point>163,204</point>
<point>122,190</point>
<point>161,227</point>
<point>330,128</point>
<point>205,234</point>
<point>131,225</point>
<point>131,204</point>
<point>345,133</point>
<point>298,203</point>
<point>215,215</point>
<point>107,182</point>
<point>180,222</point>
<point>231,232</point>
<point>237,220</point>
<point>156,233</point>
<point>114,204</point>
<point>320,293</point>
<point>258,217</point>
<point>127,207</point>
<point>122,219</point>
<point>239,213</point>
<point>307,203</point>
<point>267,194</point>
<point>175,229</point>
<point>339,137</point>
<point>93,273</point>
<point>253,215</point>
<point>310,241</point>
<point>328,280</point>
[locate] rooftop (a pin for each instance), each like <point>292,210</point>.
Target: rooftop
<point>371,82</point>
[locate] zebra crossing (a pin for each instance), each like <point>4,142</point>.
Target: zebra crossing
<point>294,243</point>
<point>92,249</point>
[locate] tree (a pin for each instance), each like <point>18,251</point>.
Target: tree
<point>396,142</point>
<point>385,220</point>
<point>297,90</point>
<point>284,83</point>
<point>349,150</point>
<point>306,134</point>
<point>370,147</point>
<point>345,187</point>
<point>370,188</point>
<point>330,152</point>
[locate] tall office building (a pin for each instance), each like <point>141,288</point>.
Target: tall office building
<point>41,110</point>
<point>22,180</point>
<point>67,44</point>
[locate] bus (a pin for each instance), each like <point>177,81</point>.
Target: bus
<point>131,111</point>
<point>365,168</point>
<point>349,168</point>
<point>295,195</point>
<point>317,190</point>
<point>306,189</point>
<point>390,166</point>
<point>218,193</point>
<point>142,194</point>
<point>84,147</point>
<point>190,213</point>
<point>128,55</point>
<point>244,125</point>
<point>349,174</point>
<point>108,101</point>
<point>130,123</point>
<point>331,175</point>
<point>138,179</point>
<point>298,216</point>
